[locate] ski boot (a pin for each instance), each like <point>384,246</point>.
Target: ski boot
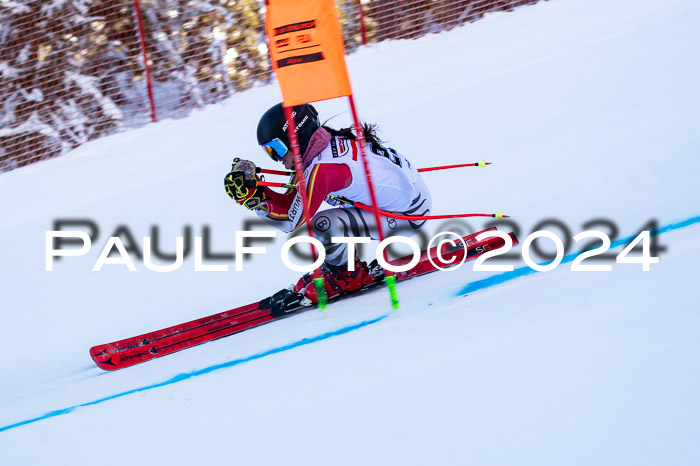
<point>337,280</point>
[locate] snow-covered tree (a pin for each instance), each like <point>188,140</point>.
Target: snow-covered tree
<point>49,105</point>
<point>203,51</point>
<point>73,70</point>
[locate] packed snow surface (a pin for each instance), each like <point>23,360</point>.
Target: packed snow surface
<point>589,110</point>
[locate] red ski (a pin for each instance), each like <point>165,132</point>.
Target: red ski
<point>130,351</point>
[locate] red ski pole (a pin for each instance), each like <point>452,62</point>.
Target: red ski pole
<point>447,167</point>
<point>384,213</point>
<point>359,205</point>
<point>426,169</point>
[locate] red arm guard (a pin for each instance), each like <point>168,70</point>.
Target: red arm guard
<point>325,179</point>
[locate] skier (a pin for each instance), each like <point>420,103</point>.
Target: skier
<point>332,167</point>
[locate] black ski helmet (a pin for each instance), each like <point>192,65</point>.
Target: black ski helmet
<point>273,125</point>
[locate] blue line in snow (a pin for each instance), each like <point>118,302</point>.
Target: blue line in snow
<point>470,287</point>
<point>206,370</point>
<point>524,271</point>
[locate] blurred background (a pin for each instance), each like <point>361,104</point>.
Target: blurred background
<point>75,71</point>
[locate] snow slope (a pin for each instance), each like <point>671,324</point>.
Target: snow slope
<point>588,110</point>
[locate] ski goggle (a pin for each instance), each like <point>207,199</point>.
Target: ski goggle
<point>276,149</point>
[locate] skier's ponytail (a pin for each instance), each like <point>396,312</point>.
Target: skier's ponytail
<point>368,129</point>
